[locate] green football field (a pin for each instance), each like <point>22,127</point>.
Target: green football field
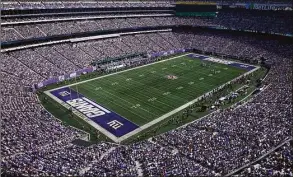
<point>146,93</point>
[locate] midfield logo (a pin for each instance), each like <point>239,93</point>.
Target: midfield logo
<point>115,124</point>
<point>172,77</point>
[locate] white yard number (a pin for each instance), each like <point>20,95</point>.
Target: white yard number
<point>152,99</point>
<point>115,124</point>
<point>135,106</point>
<point>166,93</point>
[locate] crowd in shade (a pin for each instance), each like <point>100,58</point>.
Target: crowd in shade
<point>34,143</point>
<point>273,22</point>
<point>278,163</point>
<point>261,21</point>
<point>35,30</point>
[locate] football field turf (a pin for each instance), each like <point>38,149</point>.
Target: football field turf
<point>133,98</point>
<point>144,94</point>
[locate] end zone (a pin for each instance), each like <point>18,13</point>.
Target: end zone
<point>106,121</point>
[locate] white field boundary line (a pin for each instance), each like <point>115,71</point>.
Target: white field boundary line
<point>155,121</point>
<point>77,83</point>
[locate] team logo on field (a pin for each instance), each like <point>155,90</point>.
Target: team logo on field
<point>172,77</point>
<point>115,124</point>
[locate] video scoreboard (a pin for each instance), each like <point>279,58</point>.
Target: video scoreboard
<point>184,8</point>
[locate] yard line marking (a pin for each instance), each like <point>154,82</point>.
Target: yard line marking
<point>189,93</point>
<point>144,95</point>
<point>149,91</point>
<point>115,104</point>
<point>119,72</point>
<point>127,102</point>
<point>155,121</point>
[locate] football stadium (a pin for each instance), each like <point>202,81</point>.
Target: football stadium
<point>146,88</point>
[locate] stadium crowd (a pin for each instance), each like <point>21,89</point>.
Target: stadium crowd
<point>35,30</point>
<point>34,143</point>
<point>279,163</point>
<point>274,22</point>
<point>261,21</point>
<point>237,20</point>
<point>8,5</point>
<point>80,4</point>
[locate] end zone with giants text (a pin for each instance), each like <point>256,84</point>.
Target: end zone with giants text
<point>110,121</point>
